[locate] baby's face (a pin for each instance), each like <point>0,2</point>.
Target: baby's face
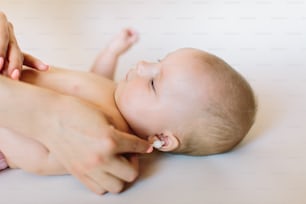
<point>158,96</point>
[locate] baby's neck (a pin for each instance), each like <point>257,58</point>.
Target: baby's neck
<point>116,118</point>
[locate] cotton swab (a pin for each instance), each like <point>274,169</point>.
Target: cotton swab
<point>158,144</point>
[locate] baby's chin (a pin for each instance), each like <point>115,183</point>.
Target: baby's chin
<point>119,97</point>
<point>118,91</point>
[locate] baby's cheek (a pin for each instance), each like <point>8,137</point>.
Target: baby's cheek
<point>125,98</point>
<point>134,97</point>
<point>133,91</point>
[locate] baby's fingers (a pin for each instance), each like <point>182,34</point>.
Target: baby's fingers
<point>132,35</point>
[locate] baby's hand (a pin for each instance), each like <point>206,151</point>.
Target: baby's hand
<point>123,41</point>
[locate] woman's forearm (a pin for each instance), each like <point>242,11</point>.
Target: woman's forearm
<point>24,107</point>
<point>74,132</point>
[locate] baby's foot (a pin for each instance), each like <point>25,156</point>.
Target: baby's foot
<point>123,41</point>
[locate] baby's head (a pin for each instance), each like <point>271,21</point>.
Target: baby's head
<point>192,100</point>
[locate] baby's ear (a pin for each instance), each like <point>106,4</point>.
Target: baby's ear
<point>165,141</point>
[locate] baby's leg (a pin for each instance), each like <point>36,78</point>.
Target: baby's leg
<point>106,61</point>
<point>27,154</point>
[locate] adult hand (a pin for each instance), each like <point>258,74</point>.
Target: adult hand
<point>75,132</point>
<point>11,57</point>
<point>91,149</point>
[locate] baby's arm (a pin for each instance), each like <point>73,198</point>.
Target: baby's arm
<point>106,62</point>
<point>27,154</point>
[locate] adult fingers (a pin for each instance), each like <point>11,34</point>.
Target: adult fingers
<point>33,62</point>
<point>14,62</point>
<point>106,181</point>
<point>5,68</point>
<point>27,59</point>
<point>14,55</point>
<point>91,184</point>
<point>4,38</point>
<point>134,160</point>
<point>122,168</point>
<point>127,143</point>
<point>1,62</point>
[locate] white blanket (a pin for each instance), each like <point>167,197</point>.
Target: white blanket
<point>264,40</point>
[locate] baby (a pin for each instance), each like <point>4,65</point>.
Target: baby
<point>191,102</point>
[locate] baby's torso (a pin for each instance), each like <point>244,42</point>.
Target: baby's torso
<point>97,90</point>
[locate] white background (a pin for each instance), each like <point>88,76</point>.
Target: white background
<point>265,40</point>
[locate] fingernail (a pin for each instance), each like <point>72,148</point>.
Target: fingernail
<point>44,67</point>
<point>150,149</point>
<point>15,74</point>
<point>1,62</point>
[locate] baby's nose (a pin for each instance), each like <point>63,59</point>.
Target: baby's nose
<point>146,69</point>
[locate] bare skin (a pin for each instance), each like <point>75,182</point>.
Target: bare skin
<point>11,58</point>
<point>94,154</point>
<point>86,86</point>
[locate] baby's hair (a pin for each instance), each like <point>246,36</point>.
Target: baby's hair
<point>227,117</point>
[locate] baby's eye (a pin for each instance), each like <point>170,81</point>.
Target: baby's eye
<point>152,84</point>
<point>158,60</point>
